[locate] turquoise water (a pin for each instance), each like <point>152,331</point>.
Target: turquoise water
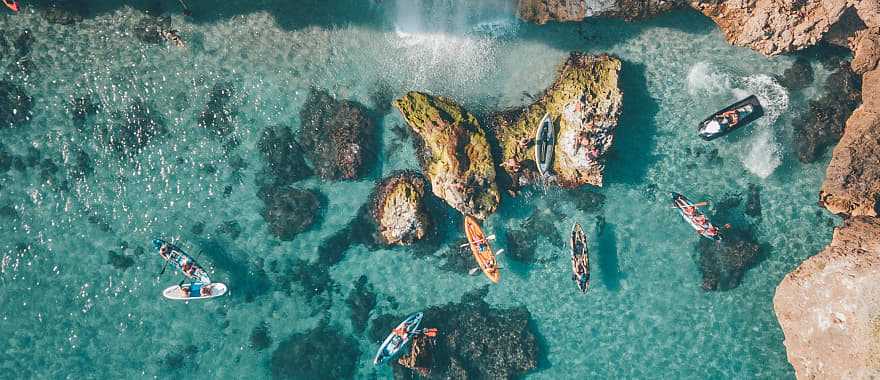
<point>66,312</point>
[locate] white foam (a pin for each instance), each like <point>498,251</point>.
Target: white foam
<point>704,79</point>
<point>764,153</point>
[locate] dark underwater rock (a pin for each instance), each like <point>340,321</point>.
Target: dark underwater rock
<point>82,108</point>
<point>235,270</point>
<point>587,201</point>
<point>283,156</point>
<point>230,228</point>
<point>361,300</point>
<point>149,30</point>
<point>119,261</point>
<point>476,341</point>
<point>798,76</point>
<point>337,135</point>
<point>723,264</point>
<point>753,201</point>
<point>522,239</point>
<point>81,165</point>
<point>260,337</point>
<point>320,353</point>
<point>823,124</point>
<point>289,211</point>
<point>314,278</point>
<point>219,113</point>
<point>23,44</point>
<point>179,357</point>
<point>15,105</point>
<point>135,129</point>
<point>66,14</point>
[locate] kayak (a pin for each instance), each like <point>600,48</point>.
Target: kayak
<point>481,249</point>
<point>545,141</point>
<point>580,258</point>
<point>195,291</point>
<point>11,4</point>
<point>397,340</point>
<point>180,259</point>
<point>729,119</point>
<point>694,217</point>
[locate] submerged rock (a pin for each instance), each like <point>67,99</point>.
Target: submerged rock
<point>320,353</point>
<point>852,179</point>
<point>824,122</point>
<point>522,238</point>
<point>149,29</point>
<point>361,300</point>
<point>828,306</point>
<point>723,264</point>
<point>398,208</point>
<point>135,129</point>
<point>260,337</point>
<point>63,15</point>
<point>15,105</point>
<point>219,113</point>
<point>798,76</point>
<point>584,103</point>
<point>338,136</point>
<point>753,201</point>
<point>284,157</point>
<point>119,261</point>
<point>453,153</point>
<point>289,211</point>
<point>82,108</point>
<point>541,11</point>
<point>475,341</point>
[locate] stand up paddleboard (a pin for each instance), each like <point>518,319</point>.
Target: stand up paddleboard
<point>545,143</point>
<point>194,291</point>
<point>397,340</point>
<point>480,247</point>
<point>580,258</point>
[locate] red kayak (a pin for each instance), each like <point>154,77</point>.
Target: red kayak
<point>11,4</point>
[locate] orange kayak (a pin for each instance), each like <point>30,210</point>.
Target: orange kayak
<point>481,249</point>
<point>11,4</point>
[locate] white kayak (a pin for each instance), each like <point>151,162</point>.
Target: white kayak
<point>195,291</point>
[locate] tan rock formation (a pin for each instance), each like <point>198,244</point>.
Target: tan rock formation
<point>865,45</point>
<point>399,208</point>
<point>453,152</point>
<point>829,307</point>
<point>542,11</point>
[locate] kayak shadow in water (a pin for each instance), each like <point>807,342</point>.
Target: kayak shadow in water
<point>239,276</point>
<point>609,265</point>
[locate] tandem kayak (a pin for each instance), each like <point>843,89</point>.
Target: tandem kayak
<point>694,217</point>
<point>480,247</point>
<point>580,258</point>
<point>397,340</point>
<point>545,142</point>
<point>185,263</point>
<point>729,119</point>
<point>195,291</point>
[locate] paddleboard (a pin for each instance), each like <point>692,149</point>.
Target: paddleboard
<point>202,291</point>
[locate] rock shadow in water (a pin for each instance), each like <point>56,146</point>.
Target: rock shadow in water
<point>635,138</point>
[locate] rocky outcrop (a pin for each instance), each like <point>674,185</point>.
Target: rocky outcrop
<point>852,179</point>
<point>399,210</point>
<point>542,11</point>
<point>824,121</point>
<point>289,211</point>
<point>15,105</point>
<point>453,152</point>
<point>778,26</point>
<point>474,341</point>
<point>584,103</point>
<point>320,353</point>
<point>337,135</point>
<point>865,45</point>
<point>828,306</point>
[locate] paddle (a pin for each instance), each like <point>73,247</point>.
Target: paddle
<point>163,267</point>
<point>698,204</point>
<point>490,237</point>
<point>474,270</point>
<point>186,11</point>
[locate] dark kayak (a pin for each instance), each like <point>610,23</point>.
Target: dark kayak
<point>580,258</point>
<point>397,340</point>
<point>545,142</point>
<point>183,262</point>
<point>694,217</point>
<point>729,119</point>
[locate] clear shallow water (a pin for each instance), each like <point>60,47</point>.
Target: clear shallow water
<point>63,305</point>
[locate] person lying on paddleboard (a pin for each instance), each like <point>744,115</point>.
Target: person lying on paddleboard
<point>195,289</point>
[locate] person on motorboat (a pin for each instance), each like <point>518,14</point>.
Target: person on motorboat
<point>730,117</point>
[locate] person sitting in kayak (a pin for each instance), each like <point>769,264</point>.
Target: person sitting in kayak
<point>165,251</point>
<point>188,268</point>
<point>700,219</point>
<point>712,231</point>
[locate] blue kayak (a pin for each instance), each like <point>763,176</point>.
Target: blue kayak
<point>183,262</point>
<point>398,339</point>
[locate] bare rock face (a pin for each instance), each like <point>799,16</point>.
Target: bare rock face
<point>777,26</point>
<point>852,179</point>
<point>828,307</point>
<point>542,11</point>
<point>866,49</point>
<point>453,152</point>
<point>399,210</point>
<point>584,103</point>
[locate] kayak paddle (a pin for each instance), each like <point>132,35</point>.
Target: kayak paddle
<point>698,204</point>
<point>490,237</point>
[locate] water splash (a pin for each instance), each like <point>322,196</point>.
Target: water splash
<point>764,154</point>
<point>704,79</point>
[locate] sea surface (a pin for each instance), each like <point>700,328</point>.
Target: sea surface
<point>67,312</point>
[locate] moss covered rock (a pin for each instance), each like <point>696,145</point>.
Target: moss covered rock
<point>399,210</point>
<point>453,152</point>
<point>584,103</point>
